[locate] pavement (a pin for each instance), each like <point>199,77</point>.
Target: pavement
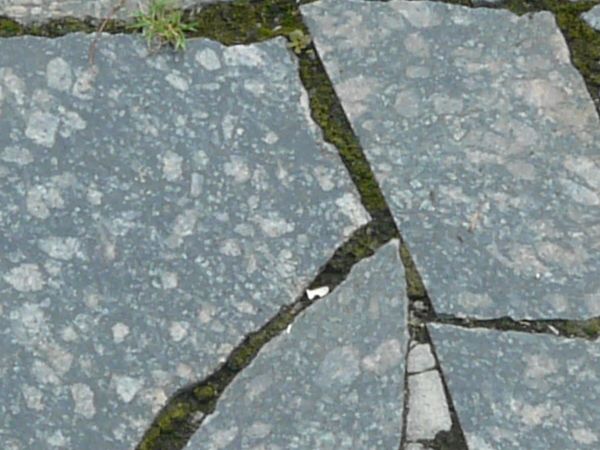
<point>333,224</point>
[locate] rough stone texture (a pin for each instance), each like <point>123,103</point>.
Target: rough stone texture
<point>592,17</point>
<point>42,10</point>
<point>335,380</point>
<point>515,390</point>
<point>420,358</point>
<point>428,411</point>
<point>485,142</point>
<point>414,447</point>
<point>152,213</point>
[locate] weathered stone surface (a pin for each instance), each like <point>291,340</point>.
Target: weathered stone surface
<point>335,380</point>
<point>420,358</point>
<point>516,390</point>
<point>428,411</point>
<point>592,17</point>
<point>152,213</point>
<point>41,10</point>
<point>485,142</point>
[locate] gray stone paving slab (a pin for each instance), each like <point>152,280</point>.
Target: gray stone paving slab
<point>152,213</point>
<point>485,142</point>
<point>428,411</point>
<point>592,17</point>
<point>516,390</point>
<point>335,380</point>
<point>41,10</point>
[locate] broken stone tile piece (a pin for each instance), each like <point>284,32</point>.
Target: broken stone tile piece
<point>592,17</point>
<point>518,390</point>
<point>420,358</point>
<point>161,213</point>
<point>428,411</point>
<point>335,381</point>
<point>26,11</point>
<point>484,140</point>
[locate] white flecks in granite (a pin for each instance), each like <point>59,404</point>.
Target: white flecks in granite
<point>25,277</point>
<point>484,140</point>
<point>158,212</point>
<point>17,155</point>
<point>83,397</point>
<point>59,74</point>
<point>120,331</point>
<point>420,359</point>
<point>64,248</point>
<point>592,17</point>
<point>335,380</point>
<point>208,59</point>
<point>519,390</point>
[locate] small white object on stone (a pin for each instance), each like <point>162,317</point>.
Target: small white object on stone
<point>317,293</point>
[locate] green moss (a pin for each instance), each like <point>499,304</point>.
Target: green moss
<point>244,21</point>
<point>415,288</point>
<point>591,328</point>
<point>328,114</point>
<point>9,27</point>
<point>205,393</point>
<point>166,430</point>
<point>459,2</point>
<point>58,27</point>
<point>588,329</point>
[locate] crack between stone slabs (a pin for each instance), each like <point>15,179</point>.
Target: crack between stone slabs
<point>327,112</point>
<point>454,439</point>
<point>565,328</point>
<point>583,41</point>
<point>247,22</point>
<point>235,22</point>
<point>187,408</point>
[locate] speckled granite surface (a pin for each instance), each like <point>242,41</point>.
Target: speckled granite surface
<point>592,17</point>
<point>41,10</point>
<point>335,380</point>
<point>486,144</point>
<point>152,213</point>
<point>516,390</point>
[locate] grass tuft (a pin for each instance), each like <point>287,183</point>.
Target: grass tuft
<point>162,25</point>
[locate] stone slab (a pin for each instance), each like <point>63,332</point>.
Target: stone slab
<point>334,380</point>
<point>592,17</point>
<point>486,145</point>
<point>27,11</point>
<point>516,390</point>
<point>428,411</point>
<point>153,211</point>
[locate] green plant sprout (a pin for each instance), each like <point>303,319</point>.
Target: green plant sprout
<point>298,41</point>
<point>161,25</point>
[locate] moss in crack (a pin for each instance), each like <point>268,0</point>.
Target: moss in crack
<point>586,329</point>
<point>415,288</point>
<point>327,112</point>
<point>245,21</point>
<point>10,27</point>
<point>175,424</point>
<point>457,2</point>
<point>58,27</point>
